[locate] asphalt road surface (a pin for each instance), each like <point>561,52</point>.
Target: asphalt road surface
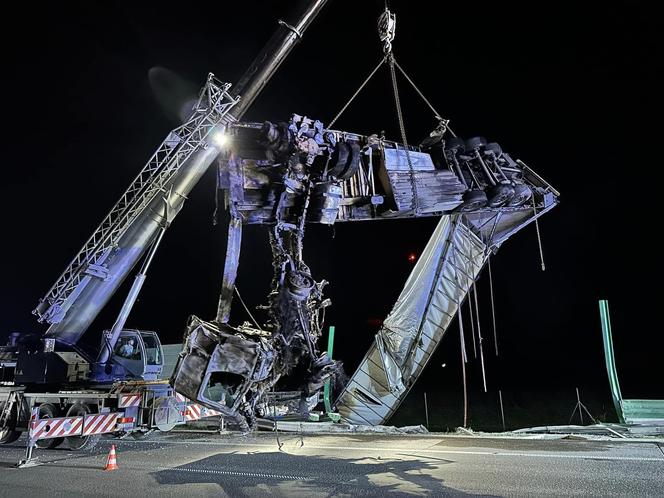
<point>340,465</point>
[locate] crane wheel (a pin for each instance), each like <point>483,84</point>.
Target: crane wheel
<point>81,442</point>
<point>46,411</point>
<point>7,433</point>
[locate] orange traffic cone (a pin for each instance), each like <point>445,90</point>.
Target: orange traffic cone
<point>111,462</point>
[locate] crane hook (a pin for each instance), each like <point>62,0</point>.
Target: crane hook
<point>387,26</point>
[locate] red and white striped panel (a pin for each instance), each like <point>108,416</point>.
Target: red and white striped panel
<point>193,412</point>
<point>196,411</point>
<point>56,427</point>
<point>181,399</point>
<point>209,412</point>
<point>99,423</point>
<point>127,400</point>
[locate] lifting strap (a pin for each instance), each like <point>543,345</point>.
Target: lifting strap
<point>493,307</point>
<point>539,237</point>
<point>386,33</point>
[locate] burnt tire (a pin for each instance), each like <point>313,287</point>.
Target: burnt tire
<point>353,163</point>
<point>299,285</point>
<point>522,194</point>
<point>500,194</point>
<point>78,443</point>
<point>46,411</point>
<point>455,144</point>
<point>493,147</point>
<point>474,143</point>
<point>473,200</point>
<point>430,142</point>
<point>339,159</point>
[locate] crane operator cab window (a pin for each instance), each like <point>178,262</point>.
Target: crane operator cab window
<point>152,350</point>
<point>127,347</point>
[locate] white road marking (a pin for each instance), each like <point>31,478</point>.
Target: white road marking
<point>232,473</point>
<point>416,450</point>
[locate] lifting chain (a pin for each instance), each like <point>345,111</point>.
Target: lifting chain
<point>402,129</point>
<point>387,25</point>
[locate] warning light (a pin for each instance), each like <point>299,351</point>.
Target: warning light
<point>412,257</point>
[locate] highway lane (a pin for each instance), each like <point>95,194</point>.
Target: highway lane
<point>341,465</point>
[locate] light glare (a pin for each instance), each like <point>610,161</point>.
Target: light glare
<point>220,139</point>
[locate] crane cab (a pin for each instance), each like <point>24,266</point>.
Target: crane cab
<point>139,352</point>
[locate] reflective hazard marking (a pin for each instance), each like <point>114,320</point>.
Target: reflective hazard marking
<point>209,412</point>
<point>56,427</point>
<point>194,411</point>
<point>127,400</point>
<point>99,423</point>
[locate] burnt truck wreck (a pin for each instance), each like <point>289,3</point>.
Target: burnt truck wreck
<point>286,175</point>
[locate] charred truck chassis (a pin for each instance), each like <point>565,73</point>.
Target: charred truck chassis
<point>288,174</point>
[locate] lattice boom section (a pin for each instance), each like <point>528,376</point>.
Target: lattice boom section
<point>211,110</point>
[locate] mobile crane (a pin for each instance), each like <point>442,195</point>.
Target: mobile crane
<point>54,390</point>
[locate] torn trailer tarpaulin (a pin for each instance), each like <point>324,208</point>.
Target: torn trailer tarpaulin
<point>427,299</point>
<point>439,282</point>
<point>400,328</point>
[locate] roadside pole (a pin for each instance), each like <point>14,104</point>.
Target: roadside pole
<point>326,390</point>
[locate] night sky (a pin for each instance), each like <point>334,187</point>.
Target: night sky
<point>570,89</point>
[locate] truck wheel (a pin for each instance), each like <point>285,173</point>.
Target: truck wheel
<point>500,194</point>
<point>522,194</point>
<point>7,433</point>
<point>46,411</point>
<point>430,142</point>
<point>473,199</point>
<point>475,143</point>
<point>339,159</point>
<point>353,163</point>
<point>81,442</point>
<point>493,147</point>
<point>455,144</point>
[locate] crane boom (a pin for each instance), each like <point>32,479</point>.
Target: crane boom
<point>104,261</point>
